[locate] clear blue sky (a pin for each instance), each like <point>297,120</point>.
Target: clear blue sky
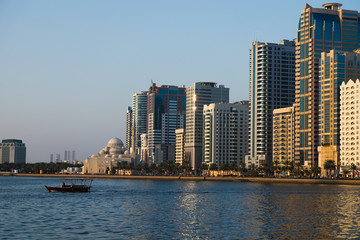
<point>68,69</point>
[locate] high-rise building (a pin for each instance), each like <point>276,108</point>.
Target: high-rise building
<point>128,127</point>
<point>51,157</point>
<point>350,124</point>
<point>197,95</point>
<point>319,30</point>
<point>226,128</point>
<point>166,112</point>
<point>283,134</point>
<point>139,119</point>
<point>180,144</point>
<point>12,151</point>
<point>272,85</point>
<point>335,68</point>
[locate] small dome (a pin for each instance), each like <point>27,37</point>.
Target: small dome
<point>114,156</point>
<point>93,156</point>
<point>115,143</point>
<point>127,152</point>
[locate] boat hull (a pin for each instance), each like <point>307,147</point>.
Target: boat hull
<point>68,189</point>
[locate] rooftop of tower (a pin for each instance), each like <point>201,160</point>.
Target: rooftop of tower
<point>209,84</point>
<point>332,6</point>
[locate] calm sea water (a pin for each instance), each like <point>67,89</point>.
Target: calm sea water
<point>146,209</point>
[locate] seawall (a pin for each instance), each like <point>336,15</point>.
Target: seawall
<point>185,178</point>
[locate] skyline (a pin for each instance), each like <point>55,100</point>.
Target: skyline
<point>66,67</point>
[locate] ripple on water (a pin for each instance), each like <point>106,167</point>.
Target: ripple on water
<point>125,209</point>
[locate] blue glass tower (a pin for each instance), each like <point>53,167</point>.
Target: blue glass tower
<point>319,30</point>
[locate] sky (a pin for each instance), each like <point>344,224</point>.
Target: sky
<point>68,69</point>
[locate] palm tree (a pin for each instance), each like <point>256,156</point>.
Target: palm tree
<point>276,167</point>
<point>346,172</point>
<point>266,169</point>
<point>177,168</point>
<point>242,168</point>
<point>291,167</point>
<point>253,170</point>
<point>315,170</point>
<point>186,166</point>
<point>353,168</point>
<point>297,166</point>
<point>329,165</point>
<point>287,166</point>
<point>233,167</point>
<point>153,168</point>
<point>203,167</point>
<point>225,168</point>
<point>213,167</point>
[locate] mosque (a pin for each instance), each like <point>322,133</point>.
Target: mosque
<point>107,158</point>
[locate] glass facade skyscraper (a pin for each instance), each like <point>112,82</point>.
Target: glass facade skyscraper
<point>166,113</point>
<point>319,30</point>
<point>335,68</point>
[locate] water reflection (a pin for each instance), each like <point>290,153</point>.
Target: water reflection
<point>125,209</point>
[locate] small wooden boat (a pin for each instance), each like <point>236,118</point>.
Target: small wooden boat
<point>72,185</point>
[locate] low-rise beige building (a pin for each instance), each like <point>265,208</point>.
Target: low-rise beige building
<point>284,134</point>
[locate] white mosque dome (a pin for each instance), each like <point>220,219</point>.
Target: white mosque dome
<point>115,143</point>
<point>115,151</point>
<point>127,152</point>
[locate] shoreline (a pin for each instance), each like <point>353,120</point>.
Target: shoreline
<point>200,178</point>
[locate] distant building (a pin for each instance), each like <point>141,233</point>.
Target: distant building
<point>197,95</point>
<point>128,128</point>
<point>180,144</point>
<point>12,151</point>
<point>226,128</point>
<point>272,86</point>
<point>283,134</point>
<point>107,158</point>
<point>350,124</point>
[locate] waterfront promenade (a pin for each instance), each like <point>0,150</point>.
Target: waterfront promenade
<point>201,178</point>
